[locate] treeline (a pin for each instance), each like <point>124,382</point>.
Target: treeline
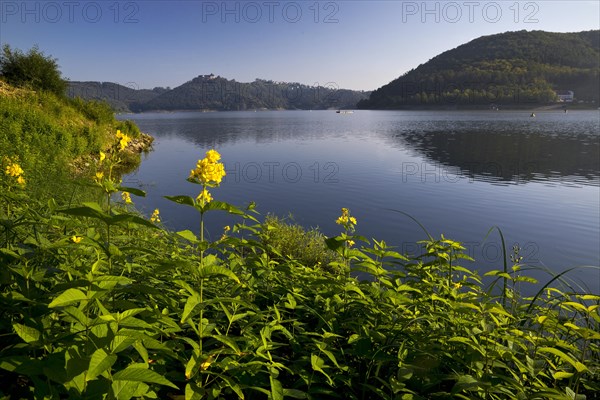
<point>119,97</point>
<point>510,68</point>
<point>210,92</point>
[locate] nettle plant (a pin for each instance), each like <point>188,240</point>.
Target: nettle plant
<point>99,302</point>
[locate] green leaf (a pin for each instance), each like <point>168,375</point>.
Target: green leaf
<point>116,219</point>
<point>188,235</point>
<point>576,306</point>
<point>124,390</point>
<point>120,342</point>
<point>27,333</point>
<point>222,206</point>
<point>76,314</point>
<point>578,366</point>
<point>10,253</point>
<point>190,367</point>
<point>185,200</point>
<point>227,341</point>
<point>93,205</point>
<point>234,386</point>
<point>318,364</point>
<point>139,374</point>
<point>90,210</point>
<point>562,375</point>
<point>406,288</point>
<point>67,297</point>
<point>209,270</point>
<point>100,362</point>
<point>590,297</point>
<point>193,392</point>
<point>573,395</point>
<point>465,382</point>
<point>190,306</point>
<point>335,243</point>
<point>296,394</point>
<point>129,313</point>
<point>131,190</point>
<point>276,389</point>
<point>142,351</point>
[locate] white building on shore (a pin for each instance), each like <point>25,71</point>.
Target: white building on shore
<point>565,96</point>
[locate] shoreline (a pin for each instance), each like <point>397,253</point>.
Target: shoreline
<point>536,108</point>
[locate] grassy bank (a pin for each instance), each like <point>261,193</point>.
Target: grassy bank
<point>55,139</point>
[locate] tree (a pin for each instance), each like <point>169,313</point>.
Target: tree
<point>33,70</point>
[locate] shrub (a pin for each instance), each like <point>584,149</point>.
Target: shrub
<point>292,241</point>
<point>33,70</point>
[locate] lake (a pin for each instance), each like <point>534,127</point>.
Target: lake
<point>459,173</point>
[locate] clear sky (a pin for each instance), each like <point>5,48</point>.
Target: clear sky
<point>349,44</point>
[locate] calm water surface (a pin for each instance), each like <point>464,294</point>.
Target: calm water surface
<point>458,173</point>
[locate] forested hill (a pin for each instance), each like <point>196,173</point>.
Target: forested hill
<point>211,92</point>
<point>120,97</point>
<point>516,68</point>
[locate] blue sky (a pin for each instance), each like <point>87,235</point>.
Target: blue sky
<point>349,44</point>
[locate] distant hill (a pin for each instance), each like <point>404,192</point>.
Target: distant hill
<point>512,68</point>
<point>211,92</point>
<point>121,98</point>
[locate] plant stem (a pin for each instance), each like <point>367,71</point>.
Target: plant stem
<point>202,235</point>
<point>108,237</point>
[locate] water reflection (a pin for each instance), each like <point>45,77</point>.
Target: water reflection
<point>501,148</point>
<point>217,129</point>
<point>511,157</point>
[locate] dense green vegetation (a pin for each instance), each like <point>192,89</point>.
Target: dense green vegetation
<point>516,68</point>
<point>99,302</point>
<point>210,92</point>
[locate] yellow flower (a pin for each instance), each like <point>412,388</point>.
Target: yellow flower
<point>213,156</point>
<point>76,239</point>
<point>225,230</point>
<point>204,197</point>
<point>350,243</point>
<point>155,216</point>
<point>124,142</point>
<point>102,156</point>
<point>126,198</point>
<point>99,176</point>
<point>14,169</point>
<point>21,180</point>
<point>123,139</point>
<point>208,170</point>
<point>346,220</point>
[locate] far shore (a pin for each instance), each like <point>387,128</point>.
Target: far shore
<point>452,107</point>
